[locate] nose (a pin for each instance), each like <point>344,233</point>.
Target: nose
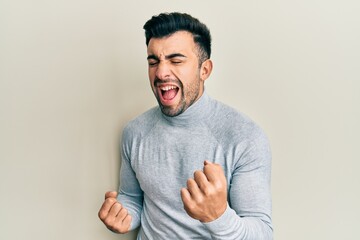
<point>163,71</point>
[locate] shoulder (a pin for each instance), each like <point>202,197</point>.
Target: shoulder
<point>239,134</point>
<point>229,124</point>
<point>141,125</point>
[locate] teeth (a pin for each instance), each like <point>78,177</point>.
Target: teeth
<point>167,88</point>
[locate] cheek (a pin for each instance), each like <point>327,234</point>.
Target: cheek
<point>151,75</point>
<point>187,75</point>
<point>151,71</point>
<point>191,77</point>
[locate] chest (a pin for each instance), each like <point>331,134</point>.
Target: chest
<point>164,160</point>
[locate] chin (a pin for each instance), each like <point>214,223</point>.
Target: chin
<point>172,112</point>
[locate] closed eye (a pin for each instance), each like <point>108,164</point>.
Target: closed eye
<point>176,61</point>
<point>153,63</point>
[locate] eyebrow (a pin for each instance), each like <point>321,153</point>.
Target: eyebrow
<point>170,56</point>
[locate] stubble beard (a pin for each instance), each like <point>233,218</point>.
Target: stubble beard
<point>185,102</point>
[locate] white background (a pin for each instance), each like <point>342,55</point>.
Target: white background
<point>73,73</point>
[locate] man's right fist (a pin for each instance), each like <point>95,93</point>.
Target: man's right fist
<point>113,215</point>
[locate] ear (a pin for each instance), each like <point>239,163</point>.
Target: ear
<point>205,69</point>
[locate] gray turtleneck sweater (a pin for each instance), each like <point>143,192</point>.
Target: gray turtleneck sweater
<point>159,154</point>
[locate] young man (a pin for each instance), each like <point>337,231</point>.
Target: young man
<point>192,168</point>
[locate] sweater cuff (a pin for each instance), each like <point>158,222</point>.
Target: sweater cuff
<point>222,223</point>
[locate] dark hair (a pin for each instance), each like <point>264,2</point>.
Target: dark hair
<point>166,24</point>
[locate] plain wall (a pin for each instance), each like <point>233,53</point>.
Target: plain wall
<point>73,73</point>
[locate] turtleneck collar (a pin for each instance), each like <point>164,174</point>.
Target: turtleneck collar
<point>193,114</point>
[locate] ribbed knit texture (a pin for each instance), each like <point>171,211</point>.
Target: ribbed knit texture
<point>159,154</point>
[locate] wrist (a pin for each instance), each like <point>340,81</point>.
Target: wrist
<point>216,213</point>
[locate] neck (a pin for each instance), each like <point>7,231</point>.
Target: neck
<point>193,114</point>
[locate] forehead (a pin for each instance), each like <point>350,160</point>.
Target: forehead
<point>178,42</point>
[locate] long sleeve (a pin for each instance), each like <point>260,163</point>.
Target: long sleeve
<point>130,193</point>
<point>159,154</point>
<point>248,215</point>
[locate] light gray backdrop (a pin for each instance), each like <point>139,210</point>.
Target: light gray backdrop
<point>72,73</point>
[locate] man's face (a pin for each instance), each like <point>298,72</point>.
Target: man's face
<point>174,72</point>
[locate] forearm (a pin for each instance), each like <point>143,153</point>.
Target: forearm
<point>134,206</point>
<point>248,215</point>
<point>230,226</point>
<point>130,194</point>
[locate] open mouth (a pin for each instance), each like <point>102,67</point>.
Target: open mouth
<point>168,92</point>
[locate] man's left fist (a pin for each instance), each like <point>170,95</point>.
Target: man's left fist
<point>205,197</point>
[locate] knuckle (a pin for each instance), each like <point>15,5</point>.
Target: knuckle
<point>101,214</point>
<point>189,182</point>
<point>115,209</point>
<point>209,191</point>
<point>210,166</point>
<point>110,201</point>
<point>190,207</point>
<point>219,185</point>
<point>108,222</point>
<point>194,205</point>
<point>200,200</point>
<point>197,173</point>
<point>124,211</point>
<point>121,227</point>
<point>110,194</point>
<point>122,230</point>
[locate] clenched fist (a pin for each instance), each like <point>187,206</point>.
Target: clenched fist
<point>205,197</point>
<point>114,215</point>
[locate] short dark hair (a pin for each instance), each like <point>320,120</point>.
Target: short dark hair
<point>165,24</point>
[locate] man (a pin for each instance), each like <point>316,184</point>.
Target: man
<point>192,168</point>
